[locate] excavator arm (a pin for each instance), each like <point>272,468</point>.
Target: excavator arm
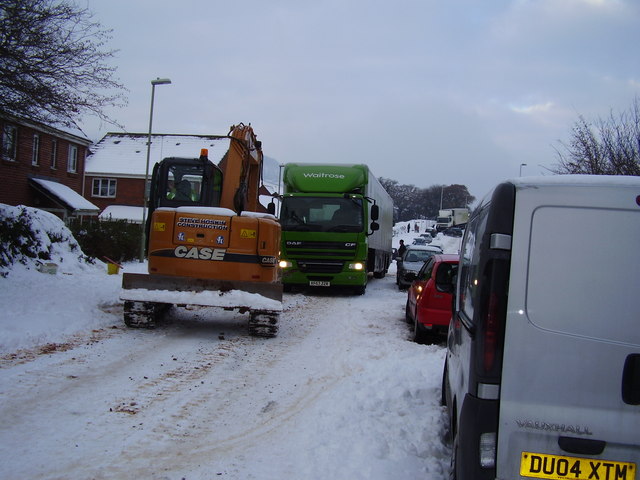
<point>242,170</point>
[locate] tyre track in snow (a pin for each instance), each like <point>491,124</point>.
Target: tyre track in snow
<point>253,404</point>
<point>168,384</point>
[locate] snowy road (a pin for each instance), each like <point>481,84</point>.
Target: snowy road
<point>340,394</point>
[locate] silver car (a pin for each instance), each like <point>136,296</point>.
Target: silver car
<point>411,262</point>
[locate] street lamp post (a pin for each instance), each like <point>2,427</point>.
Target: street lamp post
<point>157,81</point>
<point>522,165</point>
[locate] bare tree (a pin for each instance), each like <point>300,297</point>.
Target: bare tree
<point>54,62</point>
<point>609,146</point>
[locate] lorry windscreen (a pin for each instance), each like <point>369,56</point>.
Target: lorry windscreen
<point>322,214</point>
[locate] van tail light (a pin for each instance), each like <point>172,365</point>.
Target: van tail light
<point>496,285</point>
<point>492,325</point>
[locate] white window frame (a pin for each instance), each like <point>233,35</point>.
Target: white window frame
<point>10,142</point>
<point>35,150</point>
<point>54,153</point>
<point>104,187</point>
<point>72,159</point>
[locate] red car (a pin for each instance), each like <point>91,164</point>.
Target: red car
<point>429,298</point>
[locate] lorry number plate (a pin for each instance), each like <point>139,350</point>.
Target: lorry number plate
<point>539,465</point>
<point>319,283</point>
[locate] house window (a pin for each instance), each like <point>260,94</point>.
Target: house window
<point>9,142</point>
<point>35,150</point>
<point>104,187</point>
<point>54,154</point>
<point>72,161</point>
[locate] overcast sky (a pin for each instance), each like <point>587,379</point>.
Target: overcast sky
<point>425,92</point>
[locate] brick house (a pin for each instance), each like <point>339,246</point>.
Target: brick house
<point>43,167</point>
<point>115,171</point>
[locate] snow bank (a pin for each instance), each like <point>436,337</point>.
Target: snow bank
<point>31,237</point>
<point>40,308</point>
<point>448,244</point>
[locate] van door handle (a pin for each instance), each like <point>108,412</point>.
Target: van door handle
<point>581,446</point>
<point>631,380</point>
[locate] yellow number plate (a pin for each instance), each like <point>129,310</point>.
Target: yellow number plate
<point>539,465</point>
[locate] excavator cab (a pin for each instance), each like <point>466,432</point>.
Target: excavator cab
<point>178,182</point>
<point>184,181</point>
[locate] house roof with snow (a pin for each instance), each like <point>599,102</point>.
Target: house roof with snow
<point>125,154</point>
<point>64,195</point>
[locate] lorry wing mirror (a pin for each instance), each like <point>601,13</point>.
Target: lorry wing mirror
<point>375,214</point>
<point>375,226</point>
<point>271,208</point>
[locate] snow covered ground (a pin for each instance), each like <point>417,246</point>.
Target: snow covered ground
<point>340,393</point>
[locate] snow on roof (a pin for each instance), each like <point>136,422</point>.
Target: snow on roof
<point>257,215</point>
<point>125,154</point>
<point>226,212</point>
<point>134,214</point>
<point>122,212</point>
<point>577,180</point>
<point>70,197</point>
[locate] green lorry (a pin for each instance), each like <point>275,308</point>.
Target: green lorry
<point>336,226</point>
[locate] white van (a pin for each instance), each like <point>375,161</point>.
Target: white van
<point>542,374</point>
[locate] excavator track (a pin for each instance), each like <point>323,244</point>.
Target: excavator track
<point>142,314</point>
<point>263,324</point>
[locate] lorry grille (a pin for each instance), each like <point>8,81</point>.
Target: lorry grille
<point>319,266</point>
<point>343,249</point>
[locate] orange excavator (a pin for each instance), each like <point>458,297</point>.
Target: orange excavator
<point>207,242</point>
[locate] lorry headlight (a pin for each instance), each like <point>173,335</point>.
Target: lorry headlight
<point>285,264</point>
<point>488,450</point>
<point>356,266</point>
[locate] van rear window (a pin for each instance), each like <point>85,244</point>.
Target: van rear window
<point>584,273</point>
<point>469,270</point>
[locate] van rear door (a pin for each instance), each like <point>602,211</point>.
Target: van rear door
<point>572,336</point>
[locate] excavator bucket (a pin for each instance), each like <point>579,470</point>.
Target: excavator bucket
<point>204,286</point>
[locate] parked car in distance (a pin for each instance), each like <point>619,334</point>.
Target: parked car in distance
<point>542,372</point>
<point>427,236</point>
<point>428,307</point>
<point>419,241</point>
<point>411,262</point>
